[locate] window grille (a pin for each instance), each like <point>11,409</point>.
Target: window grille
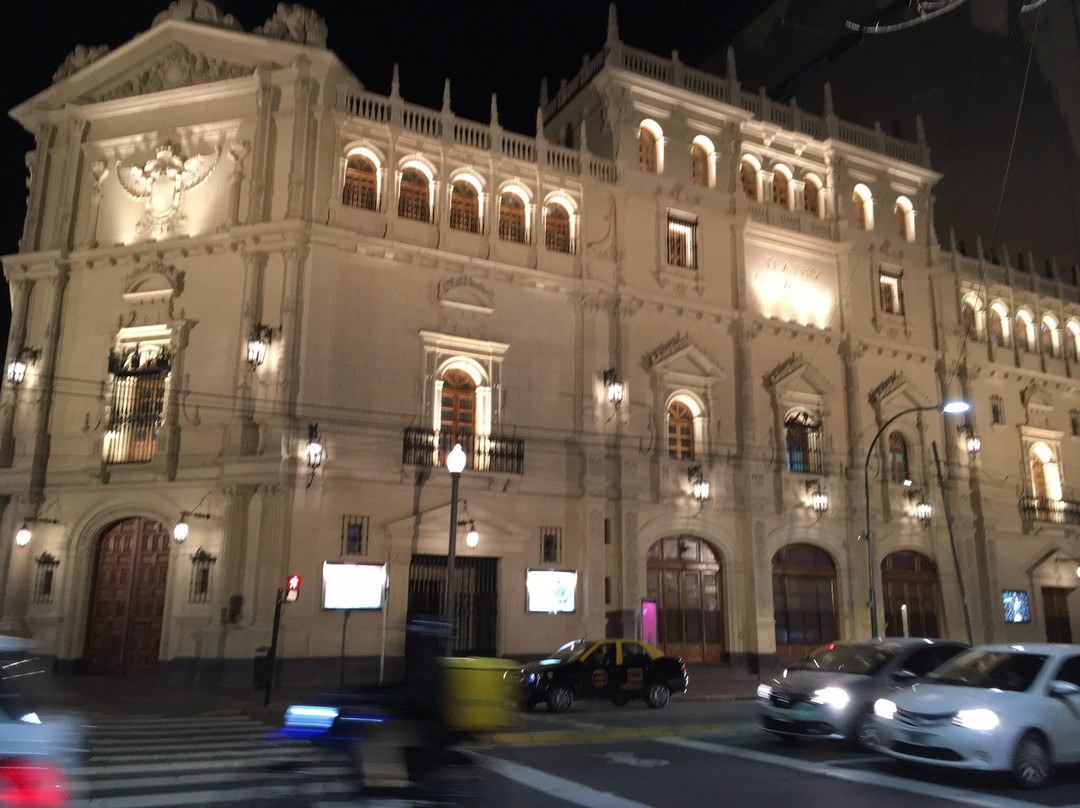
<point>557,229</point>
<point>700,166</point>
<point>139,379</point>
<point>551,545</point>
<point>354,535</point>
<point>811,203</point>
<point>464,207</point>
<point>997,410</point>
<point>804,450</point>
<point>682,242</point>
<point>680,431</point>
<point>1074,421</point>
<point>44,578</point>
<point>647,150</point>
<point>891,293</point>
<point>201,562</point>
<point>413,196</point>
<point>512,219</point>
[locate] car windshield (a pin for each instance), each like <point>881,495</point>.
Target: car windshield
<point>1003,670</point>
<point>862,658</point>
<point>572,650</point>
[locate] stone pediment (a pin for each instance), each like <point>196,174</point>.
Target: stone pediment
<point>175,66</point>
<point>679,356</point>
<point>796,376</point>
<point>462,292</point>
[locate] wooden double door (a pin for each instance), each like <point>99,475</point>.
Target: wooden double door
<point>127,602</point>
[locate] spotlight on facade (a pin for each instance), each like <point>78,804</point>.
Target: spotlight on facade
<point>182,528</point>
<point>472,538</point>
<point>16,369</point>
<point>700,484</point>
<point>614,386</point>
<point>258,342</point>
<point>819,500</point>
<point>971,440</point>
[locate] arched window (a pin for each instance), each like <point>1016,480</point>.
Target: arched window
<point>684,578</point>
<point>911,595</point>
<point>1045,473</point>
<point>812,196</point>
<point>361,189</point>
<point>647,149</point>
<point>804,600</point>
<point>862,204</point>
<point>905,218</point>
<point>997,409</point>
<point>465,207</point>
<point>898,458</point>
<point>557,228</point>
<point>512,218</point>
<point>1072,340</point>
<point>999,334</point>
<point>968,319</point>
<point>802,432</point>
<point>1025,331</point>
<point>457,423</point>
<point>699,159</point>
<point>781,187</point>
<point>680,431</point>
<point>1049,336</point>
<point>748,176</point>
<point>414,195</point>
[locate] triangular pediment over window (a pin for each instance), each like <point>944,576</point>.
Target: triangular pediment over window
<point>796,376</point>
<point>681,357</point>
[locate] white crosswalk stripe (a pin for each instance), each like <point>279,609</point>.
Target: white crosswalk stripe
<point>153,762</point>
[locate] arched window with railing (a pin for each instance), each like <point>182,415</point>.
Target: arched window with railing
<point>464,206</point>
<point>557,235</point>
<point>812,195</point>
<point>862,204</point>
<point>999,329</point>
<point>512,222</point>
<point>1072,340</point>
<point>680,420</point>
<point>748,176</point>
<point>905,218</point>
<point>899,470</point>
<point>1049,337</point>
<point>650,156</point>
<point>781,187</point>
<point>361,188</point>
<point>802,436</point>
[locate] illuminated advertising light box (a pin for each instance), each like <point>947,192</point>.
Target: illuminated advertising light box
<point>353,586</point>
<point>1017,607</point>
<point>551,591</point>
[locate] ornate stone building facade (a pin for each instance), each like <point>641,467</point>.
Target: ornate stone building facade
<point>667,328</point>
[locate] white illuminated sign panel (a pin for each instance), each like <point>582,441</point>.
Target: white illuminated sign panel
<point>353,586</point>
<point>790,286</point>
<point>551,591</point>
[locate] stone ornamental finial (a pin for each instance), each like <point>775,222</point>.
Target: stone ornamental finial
<point>446,96</point>
<point>543,91</point>
<point>201,11</point>
<point>612,26</point>
<point>395,83</point>
<point>979,252</point>
<point>295,23</point>
<point>540,122</point>
<point>494,111</point>
<point>952,239</point>
<point>79,58</point>
<point>829,111</point>
<point>731,75</point>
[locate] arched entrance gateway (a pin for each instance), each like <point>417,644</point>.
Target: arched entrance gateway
<point>127,600</point>
<point>804,600</point>
<point>910,579</point>
<point>686,582</point>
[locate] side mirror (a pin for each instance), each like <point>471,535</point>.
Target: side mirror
<point>1060,689</point>
<point>904,676</point>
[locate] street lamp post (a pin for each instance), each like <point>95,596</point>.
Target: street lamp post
<point>455,464</point>
<point>950,408</point>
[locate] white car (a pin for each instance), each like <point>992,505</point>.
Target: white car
<point>1013,708</point>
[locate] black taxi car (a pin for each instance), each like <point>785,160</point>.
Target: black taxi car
<point>617,669</point>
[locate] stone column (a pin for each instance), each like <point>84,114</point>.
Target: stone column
<point>38,164</point>
<point>42,438</point>
<point>100,172</point>
<point>238,151</point>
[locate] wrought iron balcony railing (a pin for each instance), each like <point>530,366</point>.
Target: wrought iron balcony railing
<point>1051,511</point>
<point>426,447</point>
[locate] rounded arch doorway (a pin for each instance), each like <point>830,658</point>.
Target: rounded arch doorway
<point>910,579</point>
<point>127,598</point>
<point>685,580</point>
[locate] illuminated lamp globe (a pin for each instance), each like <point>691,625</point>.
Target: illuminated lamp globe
<point>472,538</point>
<point>955,407</point>
<point>22,537</point>
<point>455,461</point>
<point>180,531</point>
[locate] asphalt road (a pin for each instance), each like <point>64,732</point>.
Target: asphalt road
<point>713,754</point>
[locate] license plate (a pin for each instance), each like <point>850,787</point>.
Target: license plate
<point>921,738</point>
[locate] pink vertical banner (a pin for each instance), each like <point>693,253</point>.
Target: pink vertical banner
<point>648,621</point>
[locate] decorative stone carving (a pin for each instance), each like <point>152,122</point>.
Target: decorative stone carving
<point>175,67</point>
<point>79,58</point>
<point>893,383</point>
<point>161,182</point>
<point>197,11</point>
<point>666,349</point>
<point>790,365</point>
<point>295,23</point>
<point>461,291</point>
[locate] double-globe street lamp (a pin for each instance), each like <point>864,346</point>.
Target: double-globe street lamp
<point>455,464</point>
<point>946,407</point>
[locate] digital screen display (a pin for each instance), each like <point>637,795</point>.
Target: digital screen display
<point>551,591</point>
<point>353,586</point>
<point>1017,608</point>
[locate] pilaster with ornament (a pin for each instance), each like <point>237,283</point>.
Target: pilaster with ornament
<point>251,314</point>
<point>304,139</point>
<point>67,192</point>
<point>20,301</point>
<point>234,538</point>
<point>99,171</point>
<point>39,167</point>
<point>266,99</point>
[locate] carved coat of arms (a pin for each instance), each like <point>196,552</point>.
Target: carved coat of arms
<point>161,183</point>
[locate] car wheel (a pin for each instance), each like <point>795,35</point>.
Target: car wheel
<point>1031,761</point>
<point>864,733</point>
<point>658,695</point>
<point>559,699</point>
<point>620,699</point>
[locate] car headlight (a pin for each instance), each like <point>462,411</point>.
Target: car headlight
<point>531,677</point>
<point>832,697</point>
<point>764,691</point>
<point>883,708</point>
<point>979,718</point>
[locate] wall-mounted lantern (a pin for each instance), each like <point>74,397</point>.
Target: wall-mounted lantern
<point>971,440</point>
<point>258,343</point>
<point>819,500</point>
<point>16,369</point>
<point>699,483</point>
<point>614,386</point>
<point>314,451</point>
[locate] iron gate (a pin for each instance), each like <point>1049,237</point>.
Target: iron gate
<point>476,602</point>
